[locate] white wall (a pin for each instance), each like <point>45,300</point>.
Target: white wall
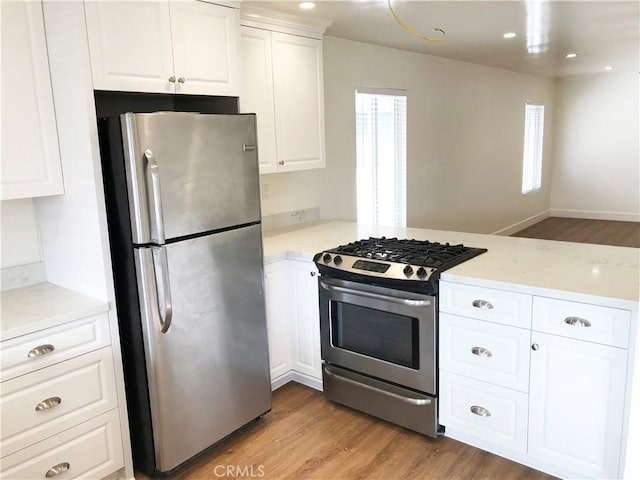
<point>596,171</point>
<point>19,234</point>
<point>464,145</point>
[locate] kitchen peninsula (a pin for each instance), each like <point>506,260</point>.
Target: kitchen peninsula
<point>562,329</point>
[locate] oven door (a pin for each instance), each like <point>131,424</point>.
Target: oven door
<point>385,333</point>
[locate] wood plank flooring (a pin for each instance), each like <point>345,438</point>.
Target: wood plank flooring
<point>605,232</point>
<point>306,437</point>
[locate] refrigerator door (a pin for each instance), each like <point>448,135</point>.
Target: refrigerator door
<point>189,173</point>
<point>208,374</point>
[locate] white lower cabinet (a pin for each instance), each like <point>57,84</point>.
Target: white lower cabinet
<point>293,322</point>
<point>488,413</point>
<point>576,405</point>
<point>276,279</point>
<point>551,395</point>
<point>59,414</point>
<point>91,450</point>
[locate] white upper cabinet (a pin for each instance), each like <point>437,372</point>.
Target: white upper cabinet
<point>30,164</point>
<point>187,47</point>
<point>283,85</point>
<point>256,95</point>
<point>299,101</point>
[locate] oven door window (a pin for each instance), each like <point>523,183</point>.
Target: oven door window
<point>378,334</point>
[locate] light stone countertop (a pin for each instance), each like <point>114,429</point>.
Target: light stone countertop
<point>589,273</point>
<point>36,307</point>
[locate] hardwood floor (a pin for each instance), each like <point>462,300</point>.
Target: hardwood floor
<point>306,437</point>
<point>605,232</point>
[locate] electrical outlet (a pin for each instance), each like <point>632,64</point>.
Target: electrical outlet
<point>265,191</point>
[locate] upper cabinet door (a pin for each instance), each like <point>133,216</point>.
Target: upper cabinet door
<point>206,42</point>
<point>299,101</point>
<point>130,46</point>
<point>256,95</point>
<point>30,164</point>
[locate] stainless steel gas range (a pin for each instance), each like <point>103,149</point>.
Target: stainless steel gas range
<point>379,328</point>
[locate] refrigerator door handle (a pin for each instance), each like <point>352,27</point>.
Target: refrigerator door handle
<point>161,269</point>
<point>156,198</point>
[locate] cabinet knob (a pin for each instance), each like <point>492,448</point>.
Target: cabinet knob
<point>480,411</point>
<point>58,469</point>
<point>172,79</point>
<point>313,274</point>
<point>281,162</point>
<point>40,350</point>
<point>535,347</point>
<point>182,80</point>
<point>48,403</point>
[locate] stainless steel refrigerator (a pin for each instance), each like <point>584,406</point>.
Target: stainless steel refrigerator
<point>183,208</point>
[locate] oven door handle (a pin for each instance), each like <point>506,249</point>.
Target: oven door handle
<point>409,400</point>
<point>376,296</point>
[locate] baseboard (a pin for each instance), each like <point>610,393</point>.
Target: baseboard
<point>596,215</point>
<point>293,376</point>
<point>522,224</point>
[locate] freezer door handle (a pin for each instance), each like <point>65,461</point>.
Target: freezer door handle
<point>161,269</point>
<point>156,198</point>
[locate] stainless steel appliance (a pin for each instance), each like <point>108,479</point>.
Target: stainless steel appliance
<point>183,210</point>
<point>378,326</point>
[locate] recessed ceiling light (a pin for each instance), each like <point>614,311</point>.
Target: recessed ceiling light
<point>571,55</point>
<point>609,67</point>
<point>307,5</point>
<point>509,35</point>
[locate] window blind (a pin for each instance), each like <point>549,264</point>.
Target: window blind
<point>381,150</point>
<point>533,142</point>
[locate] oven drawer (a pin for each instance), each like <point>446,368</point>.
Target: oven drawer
<point>394,404</point>
<point>497,306</point>
<point>492,415</point>
<point>593,323</point>
<point>497,354</point>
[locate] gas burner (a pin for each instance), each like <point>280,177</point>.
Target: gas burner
<point>391,260</point>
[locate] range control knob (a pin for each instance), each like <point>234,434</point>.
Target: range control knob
<point>337,259</point>
<point>408,271</point>
<point>326,258</point>
<point>421,272</point>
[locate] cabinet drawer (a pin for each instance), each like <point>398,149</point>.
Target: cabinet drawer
<point>494,415</point>
<point>488,304</point>
<point>496,354</point>
<point>42,403</point>
<point>36,350</point>
<point>593,323</point>
<point>90,450</point>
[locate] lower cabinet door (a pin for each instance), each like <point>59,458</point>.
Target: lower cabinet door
<point>306,319</point>
<point>278,297</point>
<point>490,415</point>
<point>576,406</point>
<point>91,450</point>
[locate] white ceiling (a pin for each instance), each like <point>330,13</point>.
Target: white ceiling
<point>602,32</point>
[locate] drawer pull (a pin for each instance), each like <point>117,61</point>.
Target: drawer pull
<point>483,304</point>
<point>480,411</point>
<point>577,322</point>
<point>57,469</point>
<point>48,403</point>
<point>481,352</point>
<point>41,350</point>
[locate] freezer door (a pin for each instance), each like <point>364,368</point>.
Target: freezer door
<point>208,373</point>
<point>189,173</point>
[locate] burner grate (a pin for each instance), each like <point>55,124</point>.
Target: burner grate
<point>415,252</point>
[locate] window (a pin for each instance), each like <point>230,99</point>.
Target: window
<point>381,148</point>
<point>532,156</point>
